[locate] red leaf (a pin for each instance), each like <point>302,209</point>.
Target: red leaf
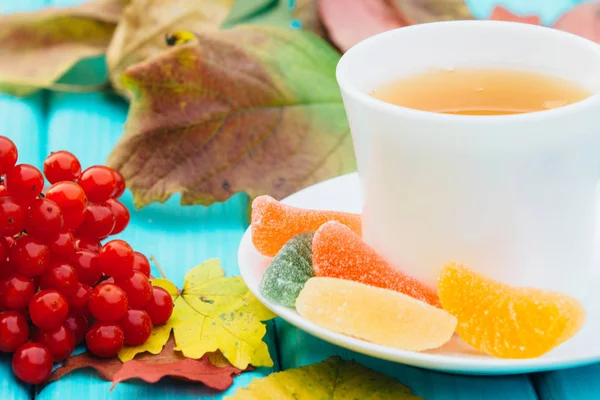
<point>350,21</point>
<point>502,14</point>
<point>188,369</point>
<point>583,20</point>
<point>212,369</point>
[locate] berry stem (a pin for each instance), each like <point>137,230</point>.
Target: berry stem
<point>160,270</point>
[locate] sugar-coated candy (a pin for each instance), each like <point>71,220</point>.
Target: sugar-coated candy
<point>274,223</point>
<point>340,253</point>
<point>287,273</point>
<point>507,321</point>
<point>378,315</point>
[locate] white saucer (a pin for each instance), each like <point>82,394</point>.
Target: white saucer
<point>342,194</point>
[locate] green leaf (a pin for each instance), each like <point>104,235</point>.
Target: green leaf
<point>276,13</point>
<point>37,48</point>
<point>253,109</point>
<point>332,379</point>
<point>244,10</point>
<point>145,23</point>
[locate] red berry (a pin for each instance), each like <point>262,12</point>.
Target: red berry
<point>11,217</point>
<point>120,188</point>
<point>137,327</point>
<point>14,331</point>
<point>32,363</point>
<point>108,302</point>
<point>79,299</point>
<point>43,219</point>
<point>60,276</point>
<point>29,256</point>
<point>62,166</point>
<point>60,341</point>
<point>98,223</point>
<point>87,266</point>
<point>121,214</point>
<point>78,325</point>
<point>71,199</point>
<point>116,258</point>
<point>48,309</point>
<point>8,154</point>
<point>92,245</point>
<point>16,292</point>
<point>62,245</point>
<point>141,264</point>
<point>24,182</point>
<point>138,289</point>
<point>99,183</point>
<point>160,306</point>
<point>104,339</point>
<point>3,191</point>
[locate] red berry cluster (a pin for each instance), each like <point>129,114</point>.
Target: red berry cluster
<point>56,277</point>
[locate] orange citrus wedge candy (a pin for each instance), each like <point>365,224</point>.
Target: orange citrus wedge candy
<point>507,321</point>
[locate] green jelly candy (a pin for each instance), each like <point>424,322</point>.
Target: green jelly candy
<point>289,270</point>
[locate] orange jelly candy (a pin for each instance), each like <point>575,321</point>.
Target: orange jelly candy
<point>507,321</point>
<point>340,253</point>
<point>274,223</point>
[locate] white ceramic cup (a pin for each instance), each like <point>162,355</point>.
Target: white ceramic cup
<point>513,196</point>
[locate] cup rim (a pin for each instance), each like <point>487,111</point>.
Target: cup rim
<point>350,89</point>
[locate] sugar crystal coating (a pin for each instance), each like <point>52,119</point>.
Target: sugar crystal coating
<point>274,223</point>
<point>378,315</point>
<point>340,253</point>
<point>285,276</point>
<point>507,321</point>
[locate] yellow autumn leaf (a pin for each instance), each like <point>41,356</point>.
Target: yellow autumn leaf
<point>212,312</point>
<point>332,379</point>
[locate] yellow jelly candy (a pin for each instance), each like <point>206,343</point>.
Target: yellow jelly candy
<point>378,315</point>
<point>507,321</point>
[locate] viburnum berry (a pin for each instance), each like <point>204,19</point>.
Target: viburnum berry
<point>14,331</point>
<point>43,219</point>
<point>99,183</point>
<point>62,245</point>
<point>59,341</point>
<point>4,249</point>
<point>137,327</point>
<point>105,339</point>
<point>29,256</point>
<point>141,264</point>
<point>121,214</point>
<point>17,291</point>
<point>137,287</point>
<point>78,325</point>
<point>32,363</point>
<point>24,182</point>
<point>60,276</point>
<point>11,217</point>
<point>72,200</point>
<point>108,302</point>
<point>62,166</point>
<point>98,223</point>
<point>116,258</point>
<point>3,191</point>
<point>48,309</point>
<point>87,266</point>
<point>160,306</point>
<point>8,154</point>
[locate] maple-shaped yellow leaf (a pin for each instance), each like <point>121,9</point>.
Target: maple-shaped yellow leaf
<point>212,312</point>
<point>332,379</point>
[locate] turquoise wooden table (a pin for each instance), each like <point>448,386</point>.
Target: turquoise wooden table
<point>181,237</point>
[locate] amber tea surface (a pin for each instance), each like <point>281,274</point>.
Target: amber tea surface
<point>481,92</point>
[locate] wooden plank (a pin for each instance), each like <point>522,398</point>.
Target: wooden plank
<point>297,348</point>
<point>569,384</point>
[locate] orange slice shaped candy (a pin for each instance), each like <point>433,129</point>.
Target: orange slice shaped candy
<point>274,223</point>
<point>507,321</point>
<point>377,315</point>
